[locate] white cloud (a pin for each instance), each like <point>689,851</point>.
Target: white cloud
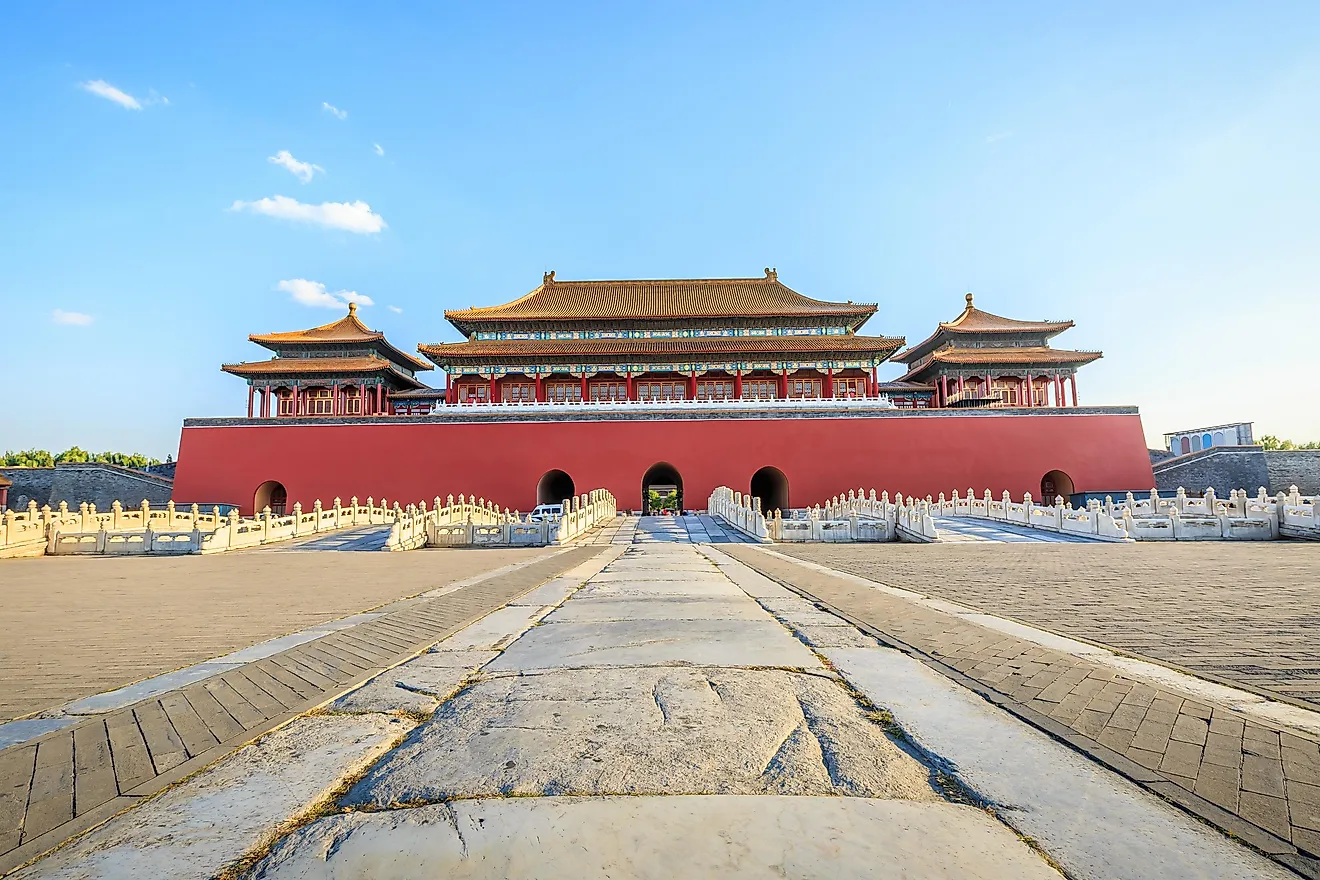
<point>350,216</point>
<point>334,111</point>
<point>110,93</point>
<point>993,138</point>
<point>395,309</point>
<point>75,319</point>
<point>380,151</point>
<point>304,171</point>
<point>313,293</point>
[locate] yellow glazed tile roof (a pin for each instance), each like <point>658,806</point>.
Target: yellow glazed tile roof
<point>658,299</point>
<point>294,366</point>
<point>881,346</point>
<point>347,329</point>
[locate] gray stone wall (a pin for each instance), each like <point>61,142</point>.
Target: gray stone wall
<point>1159,455</point>
<point>1291,467</point>
<point>1222,467</point>
<point>99,484</point>
<point>30,484</point>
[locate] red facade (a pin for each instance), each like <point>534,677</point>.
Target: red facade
<point>913,452</point>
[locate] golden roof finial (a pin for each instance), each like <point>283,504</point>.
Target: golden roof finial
<point>352,309</point>
<point>969,300</point>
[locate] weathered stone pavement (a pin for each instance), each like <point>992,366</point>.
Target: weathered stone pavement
<point>658,710</point>
<point>1246,765</point>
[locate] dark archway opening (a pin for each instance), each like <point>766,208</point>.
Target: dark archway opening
<point>771,486</point>
<point>1054,484</point>
<point>273,495</point>
<point>554,487</point>
<point>662,489</point>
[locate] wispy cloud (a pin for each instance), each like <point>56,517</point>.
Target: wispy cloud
<point>380,151</point>
<point>995,138</point>
<point>73,319</point>
<point>304,171</point>
<point>334,111</point>
<point>103,89</point>
<point>395,309</point>
<point>313,293</point>
<point>350,216</point>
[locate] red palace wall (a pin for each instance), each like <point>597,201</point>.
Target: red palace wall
<point>412,458</point>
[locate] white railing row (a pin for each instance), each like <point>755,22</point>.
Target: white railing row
<point>743,512</point>
<point>478,523</point>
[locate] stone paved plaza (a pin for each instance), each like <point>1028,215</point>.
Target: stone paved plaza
<point>93,624</point>
<point>1243,612</point>
<point>659,702</point>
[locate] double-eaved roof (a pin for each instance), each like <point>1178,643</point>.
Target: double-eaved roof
<point>558,301</point>
<point>343,347</point>
<point>978,338</point>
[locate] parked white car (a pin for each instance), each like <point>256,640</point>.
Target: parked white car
<point>546,513</point>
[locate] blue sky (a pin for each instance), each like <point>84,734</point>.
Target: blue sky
<point>1148,170</point>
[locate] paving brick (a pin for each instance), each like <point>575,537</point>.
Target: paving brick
<point>1116,738</point>
<point>1181,759</point>
<point>1190,729</point>
<point>1219,785</point>
<point>1270,813</point>
<point>1128,716</point>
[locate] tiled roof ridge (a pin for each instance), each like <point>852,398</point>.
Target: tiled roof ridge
<point>323,332</point>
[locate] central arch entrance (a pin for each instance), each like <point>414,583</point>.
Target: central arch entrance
<point>771,486</point>
<point>553,487</point>
<point>270,494</point>
<point>1053,484</point>
<point>662,489</point>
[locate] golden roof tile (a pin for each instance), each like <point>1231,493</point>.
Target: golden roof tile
<point>879,346</point>
<point>1028,356</point>
<point>973,320</point>
<point>348,329</point>
<point>658,299</point>
<point>295,366</point>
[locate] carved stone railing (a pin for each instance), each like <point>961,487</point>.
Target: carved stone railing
<point>170,529</point>
<point>743,512</point>
<point>1093,521</point>
<point>479,523</point>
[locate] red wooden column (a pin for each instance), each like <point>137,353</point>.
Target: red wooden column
<point>334,398</point>
<point>783,384</point>
<point>540,388</point>
<point>296,402</point>
<point>737,384</point>
<point>629,380</point>
<point>692,386</point>
<point>251,394</point>
<point>380,398</point>
<point>829,381</point>
<point>944,391</point>
<point>1072,380</point>
<point>490,395</point>
<point>585,390</point>
<point>362,398</point>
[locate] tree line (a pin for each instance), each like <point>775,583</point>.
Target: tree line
<point>44,458</point>
<point>1269,441</point>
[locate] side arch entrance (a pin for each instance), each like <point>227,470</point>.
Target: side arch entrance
<point>273,495</point>
<point>1054,484</point>
<point>771,486</point>
<point>662,488</point>
<point>553,487</point>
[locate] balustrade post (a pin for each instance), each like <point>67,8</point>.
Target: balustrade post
<point>116,509</point>
<point>265,523</point>
<point>297,517</point>
<point>316,509</point>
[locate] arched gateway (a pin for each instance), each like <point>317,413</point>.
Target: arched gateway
<point>1054,484</point>
<point>553,487</point>
<point>270,494</point>
<point>662,488</point>
<point>771,486</point>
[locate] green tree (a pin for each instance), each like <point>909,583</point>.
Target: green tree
<point>29,458</point>
<point>72,455</point>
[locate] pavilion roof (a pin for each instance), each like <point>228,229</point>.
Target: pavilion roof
<point>1026,357</point>
<point>659,299</point>
<point>348,329</point>
<point>5,482</point>
<point>877,346</point>
<point>975,321</point>
<point>328,366</point>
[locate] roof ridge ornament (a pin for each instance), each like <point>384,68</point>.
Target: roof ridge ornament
<point>548,277</point>
<point>969,299</point>
<point>352,309</point>
<point>772,274</point>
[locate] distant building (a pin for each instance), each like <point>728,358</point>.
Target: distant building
<point>982,360</point>
<point>1196,439</point>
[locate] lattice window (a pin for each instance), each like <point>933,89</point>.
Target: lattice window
<point>849,387</point>
<point>662,390</point>
<point>760,389</point>
<point>474,392</point>
<point>353,402</point>
<point>517,392</point>
<point>714,389</point>
<point>609,391</point>
<point>286,403</point>
<point>563,392</point>
<point>319,402</point>
<point>805,387</point>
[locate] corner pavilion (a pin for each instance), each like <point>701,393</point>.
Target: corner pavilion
<point>691,384</point>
